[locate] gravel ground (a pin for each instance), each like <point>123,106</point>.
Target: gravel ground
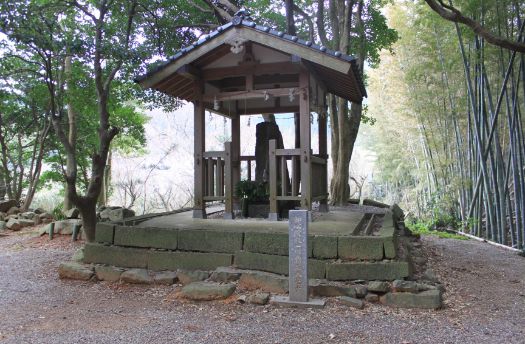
<point>484,303</point>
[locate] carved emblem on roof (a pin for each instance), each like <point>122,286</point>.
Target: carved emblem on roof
<point>237,44</point>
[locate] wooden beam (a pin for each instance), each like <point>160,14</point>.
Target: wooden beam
<point>274,110</point>
<point>253,69</point>
<point>190,72</point>
<point>241,95</point>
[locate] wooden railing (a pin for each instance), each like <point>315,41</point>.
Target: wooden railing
<point>286,190</point>
<point>292,189</point>
<point>218,176</point>
<point>249,159</point>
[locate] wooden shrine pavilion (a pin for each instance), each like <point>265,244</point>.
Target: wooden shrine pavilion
<point>243,68</point>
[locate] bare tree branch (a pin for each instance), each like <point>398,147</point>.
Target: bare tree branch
<point>452,14</point>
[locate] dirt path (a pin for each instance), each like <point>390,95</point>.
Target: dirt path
<point>485,303</point>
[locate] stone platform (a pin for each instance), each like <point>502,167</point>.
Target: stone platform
<point>343,244</point>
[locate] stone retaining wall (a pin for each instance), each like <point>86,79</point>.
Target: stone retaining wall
<point>331,257</point>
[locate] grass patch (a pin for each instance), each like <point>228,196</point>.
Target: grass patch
<point>426,228</point>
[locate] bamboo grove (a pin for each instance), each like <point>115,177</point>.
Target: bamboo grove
<point>450,139</point>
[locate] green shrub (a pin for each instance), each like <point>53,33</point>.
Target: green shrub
<point>58,212</point>
<point>427,227</point>
<point>253,191</point>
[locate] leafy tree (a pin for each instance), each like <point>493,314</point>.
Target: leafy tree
<point>92,49</point>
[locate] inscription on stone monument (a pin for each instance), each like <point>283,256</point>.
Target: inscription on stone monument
<point>298,257</point>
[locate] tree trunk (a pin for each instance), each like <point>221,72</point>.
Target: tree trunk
<point>89,219</point>
<point>72,132</point>
<point>348,127</point>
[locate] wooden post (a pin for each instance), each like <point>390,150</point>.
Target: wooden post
<point>273,215</point>
<point>199,207</point>
<point>236,156</point>
<point>296,166</point>
<point>323,153</point>
<point>284,176</point>
<point>219,187</point>
<point>228,179</point>
<point>211,177</point>
<point>304,110</point>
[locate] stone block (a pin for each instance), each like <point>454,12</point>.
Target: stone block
<point>324,247</point>
<point>430,299</point>
<point>268,243</point>
<point>225,274</point>
<point>13,224</point>
<point>258,298</point>
<point>263,262</point>
<point>3,225</point>
<point>352,302</point>
<point>108,273</point>
<point>65,227</point>
<point>330,290</point>
<point>275,263</point>
<point>405,286</point>
<point>379,287</point>
<point>210,241</point>
<point>115,255</point>
<point>146,237</point>
<point>207,291</point>
<point>136,276</point>
<point>120,214</point>
<point>28,215</point>
<point>366,247</point>
<point>76,271</point>
<point>390,247</point>
<point>373,298</point>
<point>104,233</point>
<point>169,260</point>
<point>386,271</point>
<point>165,277</point>
<point>359,291</point>
<point>258,280</point>
<point>78,256</point>
<point>187,277</point>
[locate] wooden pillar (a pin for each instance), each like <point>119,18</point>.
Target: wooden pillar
<point>304,112</point>
<point>296,166</point>
<point>274,210</point>
<point>323,153</point>
<point>228,179</point>
<point>199,208</point>
<point>236,154</point>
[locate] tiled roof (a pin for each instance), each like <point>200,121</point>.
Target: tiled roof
<point>243,20</point>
